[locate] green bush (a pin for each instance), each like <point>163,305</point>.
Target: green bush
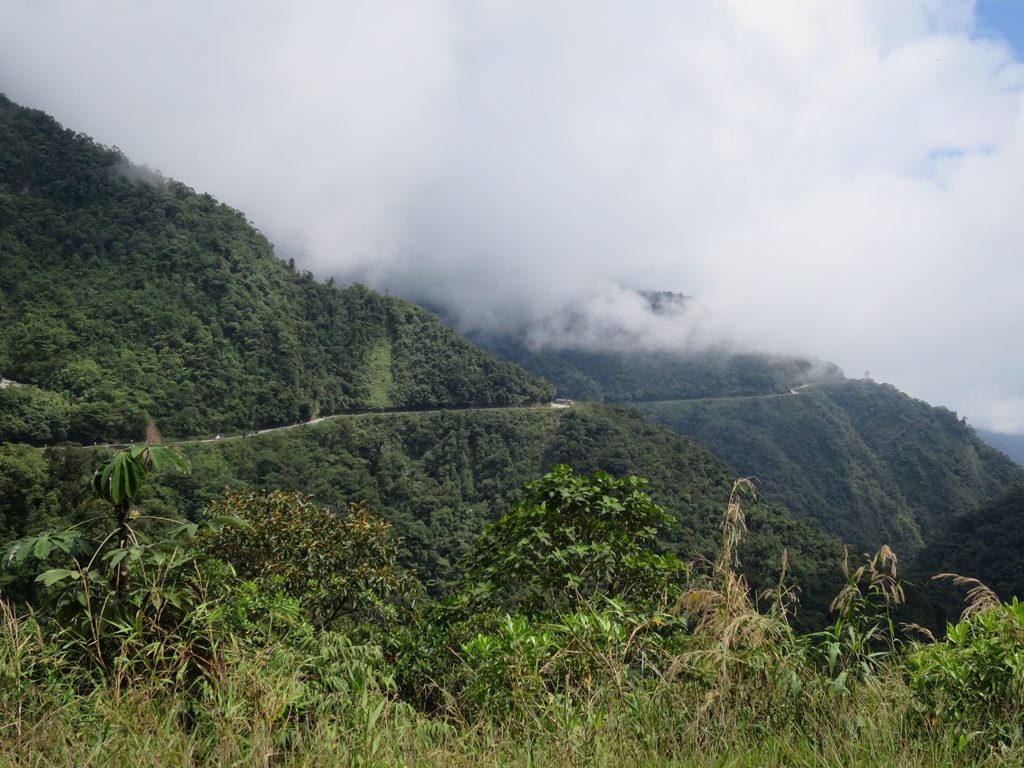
<point>570,539</point>
<point>974,680</point>
<point>342,569</point>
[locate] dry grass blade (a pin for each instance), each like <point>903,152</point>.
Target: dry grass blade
<point>883,576</point>
<point>980,597</point>
<point>697,601</point>
<point>718,606</point>
<point>924,632</point>
<point>781,596</point>
<point>734,523</point>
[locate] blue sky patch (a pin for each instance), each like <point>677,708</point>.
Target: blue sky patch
<point>1004,19</point>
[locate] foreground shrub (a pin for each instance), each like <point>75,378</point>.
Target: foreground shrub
<point>515,670</point>
<point>570,539</point>
<point>342,569</point>
<point>125,580</point>
<point>974,680</point>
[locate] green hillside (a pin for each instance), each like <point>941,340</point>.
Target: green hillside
<point>127,298</point>
<point>1010,444</point>
<point>192,604</point>
<point>985,544</point>
<point>233,642</point>
<point>129,301</point>
<point>441,476</point>
<point>869,463</point>
<point>640,375</point>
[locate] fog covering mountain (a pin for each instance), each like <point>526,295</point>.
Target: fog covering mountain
<point>128,299</point>
<point>839,177</point>
<point>618,364</point>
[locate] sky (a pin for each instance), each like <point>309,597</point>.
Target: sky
<point>836,177</point>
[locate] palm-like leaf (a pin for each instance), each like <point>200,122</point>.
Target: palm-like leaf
<point>120,478</point>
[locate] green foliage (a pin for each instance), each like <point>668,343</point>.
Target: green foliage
<point>439,478</point>
<point>868,463</point>
<point>340,568</point>
<point>573,538</point>
<point>126,298</point>
<point>941,465</point>
<point>860,643</point>
<point>253,614</point>
<point>26,489</point>
<point>524,664</point>
<point>693,485</point>
<point>987,543</point>
<point>974,681</point>
<point>121,477</point>
<point>30,414</point>
<point>118,581</point>
<point>378,372</point>
<point>242,674</point>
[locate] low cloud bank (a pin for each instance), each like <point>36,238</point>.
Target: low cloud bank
<point>842,178</point>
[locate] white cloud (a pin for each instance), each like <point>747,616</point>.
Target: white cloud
<point>836,176</point>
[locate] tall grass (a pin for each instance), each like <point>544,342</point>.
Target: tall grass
<point>265,708</point>
<point>707,681</point>
<point>248,721</point>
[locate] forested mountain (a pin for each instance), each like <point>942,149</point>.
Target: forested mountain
<point>1010,444</point>
<point>440,477</point>
<point>126,297</point>
<point>129,300</point>
<point>869,463</point>
<point>872,465</point>
<point>639,375</point>
<point>227,599</point>
<point>986,544</point>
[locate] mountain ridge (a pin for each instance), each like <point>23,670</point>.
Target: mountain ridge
<point>133,305</point>
<point>869,463</point>
<point>129,299</point>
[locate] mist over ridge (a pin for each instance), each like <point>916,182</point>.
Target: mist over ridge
<point>838,180</point>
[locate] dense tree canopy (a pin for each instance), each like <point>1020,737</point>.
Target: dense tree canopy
<point>342,568</point>
<point>441,477</point>
<point>985,544</point>
<point>870,464</point>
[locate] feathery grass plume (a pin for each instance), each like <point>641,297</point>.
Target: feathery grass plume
<point>882,568</point>
<point>726,598</point>
<point>882,581</point>
<point>20,643</point>
<point>734,523</point>
<point>980,597</point>
<point>738,659</point>
<point>924,632</point>
<point>850,592</point>
<point>861,643</point>
<point>781,596</point>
